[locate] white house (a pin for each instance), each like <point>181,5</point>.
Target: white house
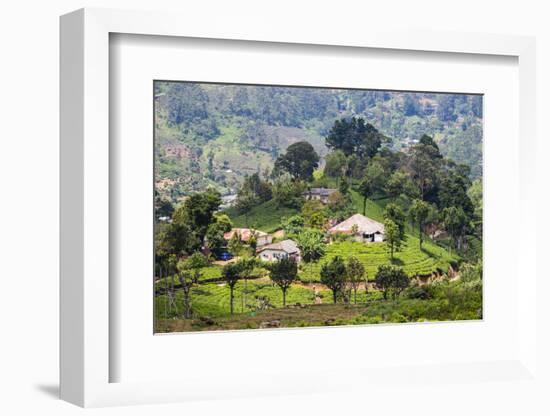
<point>277,251</point>
<point>362,228</point>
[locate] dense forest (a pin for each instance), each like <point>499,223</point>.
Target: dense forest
<point>212,134</point>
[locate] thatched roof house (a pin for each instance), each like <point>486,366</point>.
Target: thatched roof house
<point>360,226</point>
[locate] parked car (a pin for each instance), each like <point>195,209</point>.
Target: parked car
<point>224,255</point>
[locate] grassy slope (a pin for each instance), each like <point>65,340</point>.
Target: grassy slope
<point>265,217</point>
<point>431,258</point>
<point>212,299</point>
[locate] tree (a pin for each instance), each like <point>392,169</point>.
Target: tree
<point>336,164</point>
<point>425,161</point>
<point>396,184</point>
<point>411,105</point>
<point>311,245</point>
<point>333,275</point>
<point>188,275</point>
<point>376,175</point>
<point>300,161</point>
<point>293,225</point>
<point>283,272</point>
<point>253,191</point>
<point>419,212</point>
<point>288,192</point>
<point>446,107</point>
<point>236,245</point>
<point>246,267</point>
<point>475,193</point>
<point>231,274</point>
<point>313,213</point>
<point>391,280</point>
<point>392,236</point>
<point>197,212</point>
<point>365,190</point>
<point>354,137</point>
<point>355,274</point>
<point>395,213</point>
<point>456,223</point>
<point>216,230</point>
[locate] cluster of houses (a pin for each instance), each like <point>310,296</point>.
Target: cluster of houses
<point>358,227</point>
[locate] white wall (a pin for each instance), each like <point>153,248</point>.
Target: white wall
<point>29,172</point>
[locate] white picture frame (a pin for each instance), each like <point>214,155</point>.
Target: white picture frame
<point>86,356</point>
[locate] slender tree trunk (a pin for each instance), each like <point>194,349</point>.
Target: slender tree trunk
<point>365,206</point>
<point>231,300</point>
<point>334,296</point>
<point>355,295</point>
<point>284,297</point>
<point>420,234</point>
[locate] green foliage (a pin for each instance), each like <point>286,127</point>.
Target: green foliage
<point>336,164</point>
<point>283,272</point>
<point>333,275</point>
<point>313,214</point>
<point>431,259</point>
<point>355,274</point>
<point>299,161</point>
<point>266,217</point>
<point>392,236</point>
<point>391,280</point>
<point>288,192</point>
<point>456,224</point>
<point>394,213</point>
<point>311,245</point>
<point>254,191</point>
<point>354,137</point>
<point>216,230</point>
<point>293,225</point>
<point>419,212</point>
<point>197,212</point>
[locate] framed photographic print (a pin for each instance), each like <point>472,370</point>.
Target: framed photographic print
<point>281,206</point>
<point>241,213</point>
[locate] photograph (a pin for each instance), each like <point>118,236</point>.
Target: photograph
<point>292,206</point>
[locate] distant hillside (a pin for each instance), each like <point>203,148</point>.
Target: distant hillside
<point>210,134</point>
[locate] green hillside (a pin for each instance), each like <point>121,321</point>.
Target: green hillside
<point>214,135</point>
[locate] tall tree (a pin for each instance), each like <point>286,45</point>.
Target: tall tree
<point>215,233</point>
<point>231,274</point>
<point>391,280</point>
<point>392,236</point>
<point>395,213</point>
<point>283,272</point>
<point>365,190</point>
<point>355,274</point>
<point>188,276</point>
<point>300,161</point>
<point>311,245</point>
<point>197,212</point>
<point>456,223</point>
<point>419,212</point>
<point>425,161</point>
<point>333,275</point>
<point>354,136</point>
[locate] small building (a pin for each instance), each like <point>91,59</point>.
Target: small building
<point>277,251</point>
<point>246,234</point>
<point>319,194</point>
<point>361,228</point>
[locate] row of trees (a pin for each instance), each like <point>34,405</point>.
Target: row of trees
<point>341,277</point>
